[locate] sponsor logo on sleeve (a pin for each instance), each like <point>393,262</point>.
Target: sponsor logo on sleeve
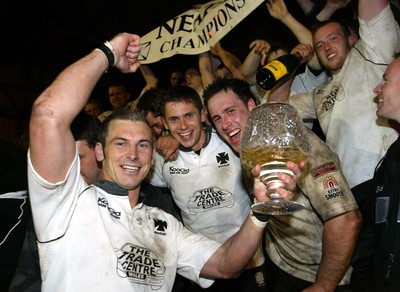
<point>323,169</point>
<point>332,188</point>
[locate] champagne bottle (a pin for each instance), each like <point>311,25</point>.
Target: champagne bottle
<point>278,71</point>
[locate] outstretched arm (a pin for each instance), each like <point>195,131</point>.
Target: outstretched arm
<point>329,8</point>
<point>279,11</point>
<point>206,70</point>
<point>52,146</point>
<point>368,9</point>
<point>149,77</point>
<point>256,57</point>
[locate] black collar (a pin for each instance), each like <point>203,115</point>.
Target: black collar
<point>114,189</point>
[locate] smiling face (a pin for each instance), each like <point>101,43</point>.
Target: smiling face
<point>184,121</point>
<point>118,96</point>
<point>332,46</point>
<point>229,115</point>
<point>128,153</point>
<point>388,92</point>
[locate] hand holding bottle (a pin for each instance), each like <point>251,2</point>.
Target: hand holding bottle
<point>262,48</point>
<point>306,51</point>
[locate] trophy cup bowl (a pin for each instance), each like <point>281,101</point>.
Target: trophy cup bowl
<point>274,134</point>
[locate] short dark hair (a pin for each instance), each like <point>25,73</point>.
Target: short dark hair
<point>124,114</point>
<point>182,93</point>
<point>238,86</point>
<point>343,27</point>
<point>95,101</point>
<point>152,101</point>
<point>86,128</point>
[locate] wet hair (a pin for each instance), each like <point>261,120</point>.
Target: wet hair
<point>182,94</point>
<point>125,114</point>
<point>238,86</point>
<point>86,128</point>
<point>152,101</point>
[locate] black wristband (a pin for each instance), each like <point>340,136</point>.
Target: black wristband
<point>261,217</point>
<point>109,54</point>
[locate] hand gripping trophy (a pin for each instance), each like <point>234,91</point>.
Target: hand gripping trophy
<point>274,134</point>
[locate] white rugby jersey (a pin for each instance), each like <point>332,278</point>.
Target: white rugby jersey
<point>90,240</point>
<point>345,106</point>
<point>208,188</point>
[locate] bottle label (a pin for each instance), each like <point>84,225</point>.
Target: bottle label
<point>277,69</point>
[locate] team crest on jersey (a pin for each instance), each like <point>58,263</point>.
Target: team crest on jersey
<point>160,226</point>
<point>332,188</point>
<point>222,159</point>
<point>210,199</point>
<point>140,265</point>
<point>102,202</point>
<point>329,99</point>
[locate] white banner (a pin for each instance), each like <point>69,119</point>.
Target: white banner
<point>194,31</point>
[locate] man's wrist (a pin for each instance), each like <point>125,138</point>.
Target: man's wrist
<point>258,219</point>
<point>109,52</point>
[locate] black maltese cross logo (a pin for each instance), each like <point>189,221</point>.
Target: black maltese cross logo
<point>222,158</point>
<point>160,226</point>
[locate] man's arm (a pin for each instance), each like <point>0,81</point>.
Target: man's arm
<point>52,146</point>
<point>256,57</point>
<point>231,258</point>
<point>206,70</point>
<point>278,10</point>
<point>368,9</point>
<point>149,77</point>
<point>338,242</point>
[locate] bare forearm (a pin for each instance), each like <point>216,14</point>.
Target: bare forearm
<point>231,258</point>
<point>306,5</point>
<point>205,67</point>
<point>302,33</point>
<point>250,66</point>
<point>339,240</point>
<point>368,9</point>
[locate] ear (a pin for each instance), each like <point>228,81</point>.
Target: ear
<point>251,104</point>
<point>352,39</point>
<point>98,150</point>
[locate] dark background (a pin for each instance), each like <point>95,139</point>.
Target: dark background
<point>38,39</point>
